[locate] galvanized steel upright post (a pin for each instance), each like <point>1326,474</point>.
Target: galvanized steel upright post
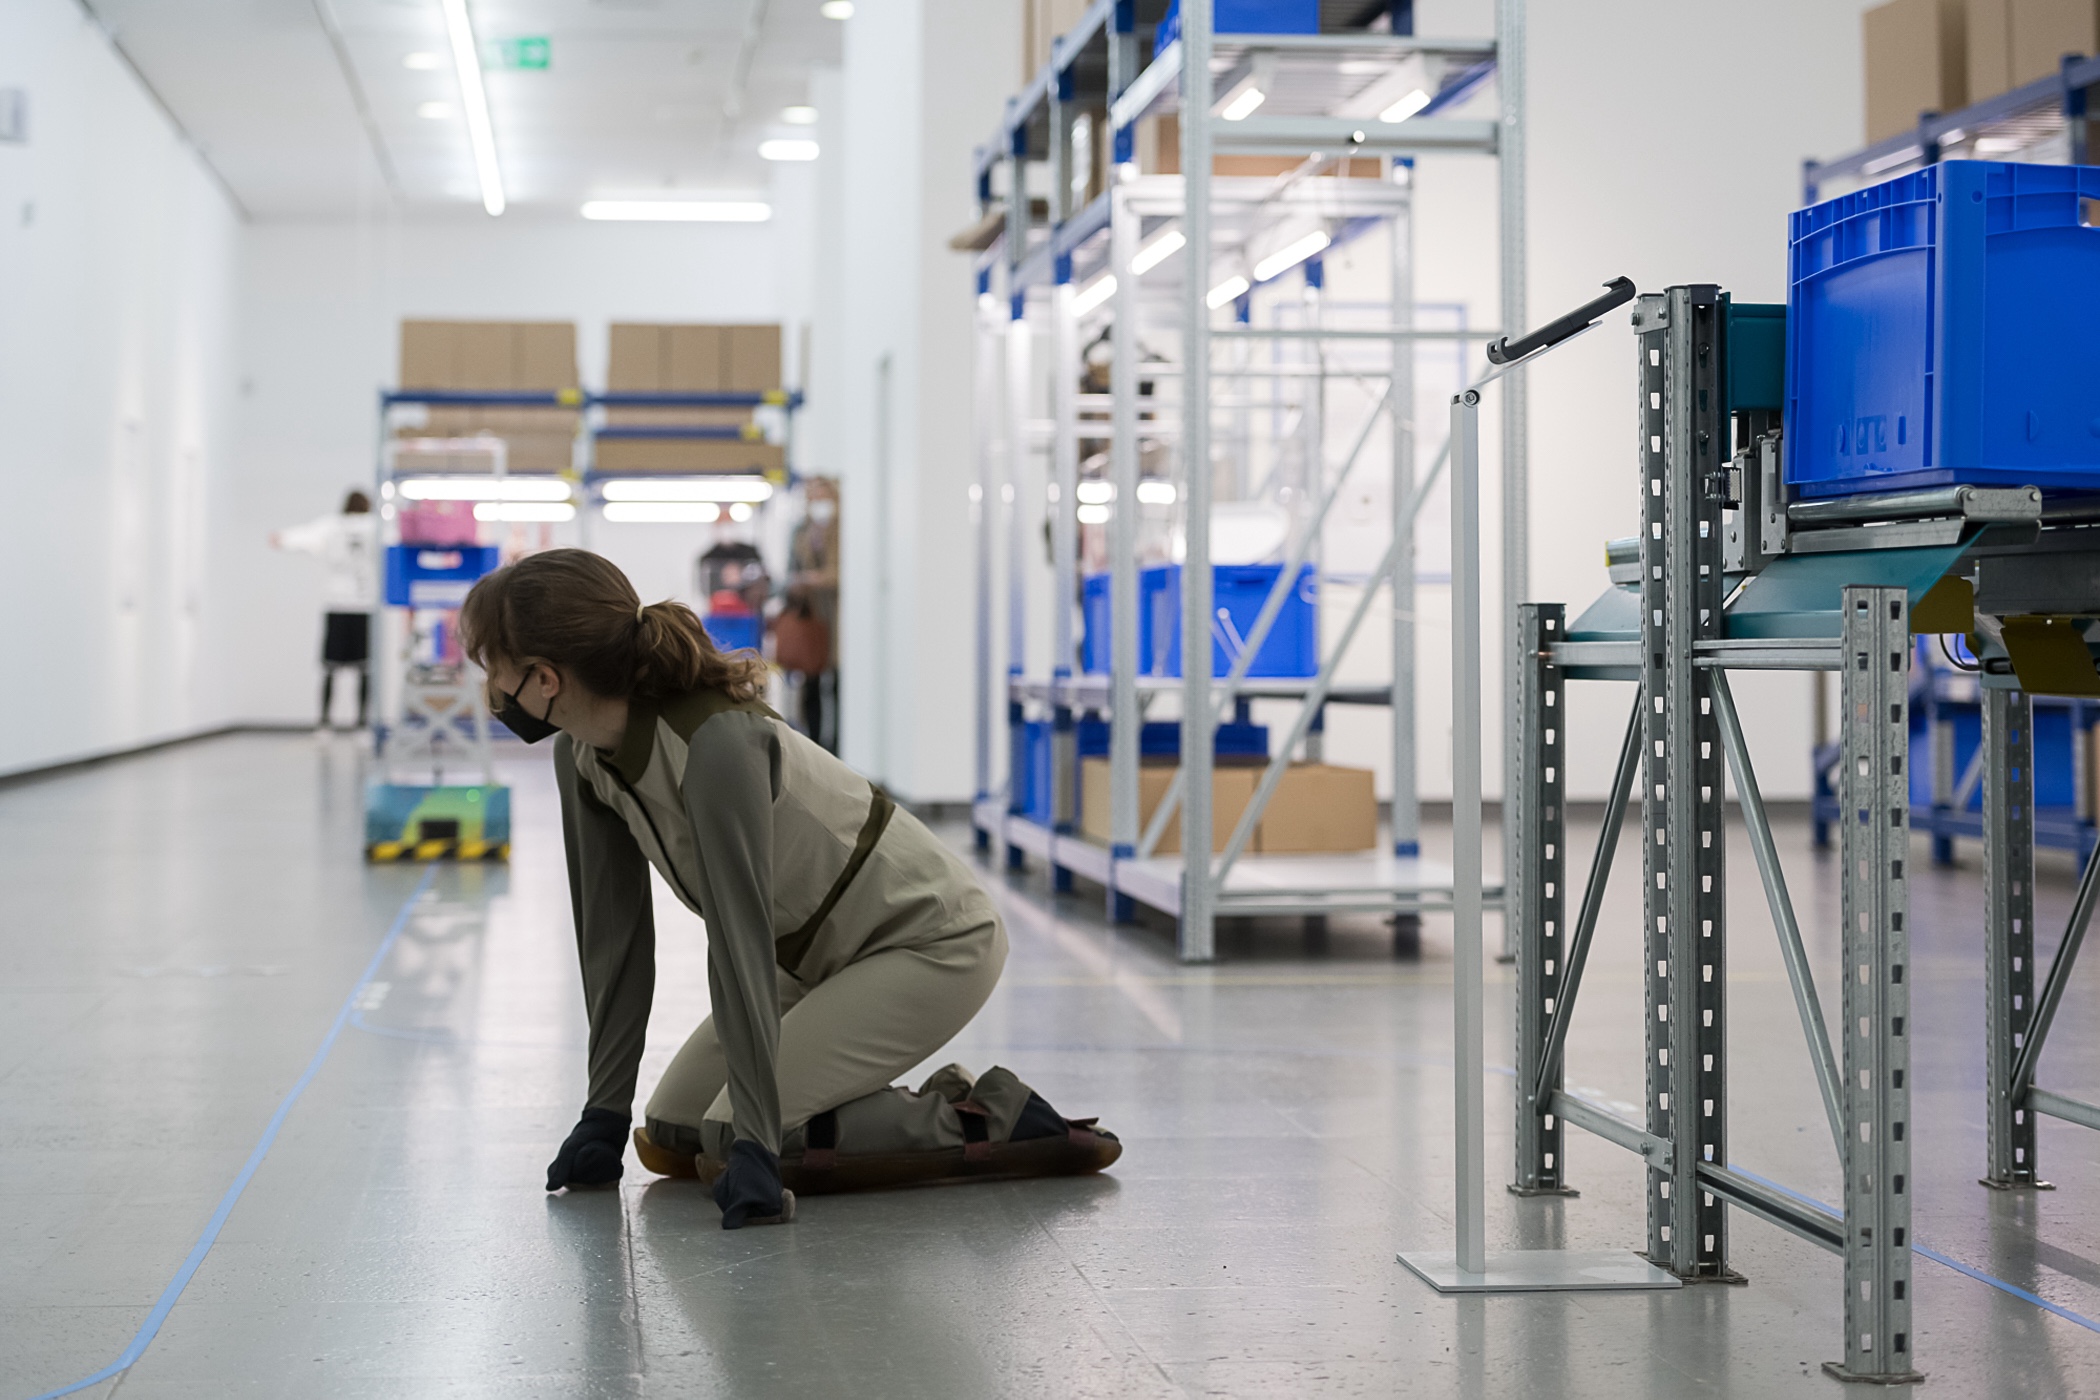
<point>1873,846</point>
<point>1516,460</point>
<point>1198,897</point>
<point>1682,441</point>
<point>2008,923</point>
<point>1406,806</point>
<point>1469,1117</point>
<point>991,448</point>
<point>1536,909</point>
<point>1124,717</point>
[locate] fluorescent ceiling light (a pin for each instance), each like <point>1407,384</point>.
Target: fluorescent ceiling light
<point>1290,255</point>
<point>1243,102</point>
<point>688,488</point>
<point>525,512</point>
<point>1406,107</point>
<point>466,57</point>
<point>1165,246</point>
<point>799,116</point>
<point>1096,493</point>
<point>1094,515</point>
<point>423,61</point>
<point>836,9</point>
<point>1156,493</point>
<point>1095,292</point>
<point>679,211</point>
<point>662,512</point>
<point>740,511</point>
<point>434,111</point>
<point>484,488</point>
<point>1227,290</point>
<point>788,148</point>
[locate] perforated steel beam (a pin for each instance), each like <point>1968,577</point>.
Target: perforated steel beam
<point>2008,933</point>
<point>1536,908</point>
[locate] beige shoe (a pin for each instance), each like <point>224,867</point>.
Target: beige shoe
<point>660,1160</point>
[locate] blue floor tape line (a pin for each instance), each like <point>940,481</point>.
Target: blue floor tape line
<point>150,1328</point>
<point>1935,1256</point>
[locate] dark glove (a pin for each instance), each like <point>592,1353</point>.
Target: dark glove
<point>749,1187</point>
<point>591,1156</point>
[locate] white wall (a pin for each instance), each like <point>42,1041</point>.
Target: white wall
<point>320,311</point>
<point>117,265</point>
<point>922,84</point>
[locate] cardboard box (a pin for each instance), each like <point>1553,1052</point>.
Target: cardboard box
<point>1916,62</point>
<point>1159,153</point>
<point>1989,50</point>
<point>1318,807</point>
<point>1042,21</point>
<point>693,359</point>
<point>497,356</point>
<point>751,359</point>
<point>678,457</point>
<point>2043,31</point>
<point>1230,791</point>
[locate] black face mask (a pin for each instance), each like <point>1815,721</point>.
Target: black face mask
<point>521,721</point>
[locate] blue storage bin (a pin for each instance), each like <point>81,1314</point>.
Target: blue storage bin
<point>735,631</point>
<point>1292,648</point>
<point>1244,17</point>
<point>1941,331</point>
<point>1161,738</point>
<point>1031,795</point>
<point>436,575</point>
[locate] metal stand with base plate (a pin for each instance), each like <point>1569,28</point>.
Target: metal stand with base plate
<point>1470,1268</point>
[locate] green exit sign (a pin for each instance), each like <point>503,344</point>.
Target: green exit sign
<point>531,52</point>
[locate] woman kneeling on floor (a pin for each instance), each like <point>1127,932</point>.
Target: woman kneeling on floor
<point>845,944</point>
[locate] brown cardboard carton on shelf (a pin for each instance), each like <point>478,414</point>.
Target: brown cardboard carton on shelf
<point>2043,31</point>
<point>1230,791</point>
<point>543,355</point>
<point>1158,148</point>
<point>1916,62</point>
<point>1988,54</point>
<point>429,355</point>
<point>694,359</point>
<point>1319,808</point>
<point>678,456</point>
<point>751,359</point>
<point>1042,21</point>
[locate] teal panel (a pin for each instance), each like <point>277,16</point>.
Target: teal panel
<point>1756,355</point>
<point>1798,596</point>
<point>1615,617</point>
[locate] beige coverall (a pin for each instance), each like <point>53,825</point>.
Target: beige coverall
<point>845,944</point>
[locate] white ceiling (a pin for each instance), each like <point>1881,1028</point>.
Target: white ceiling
<point>307,110</point>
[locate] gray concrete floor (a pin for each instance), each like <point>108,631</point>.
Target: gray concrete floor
<point>178,933</point>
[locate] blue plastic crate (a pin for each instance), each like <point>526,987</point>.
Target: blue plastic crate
<point>1940,330</point>
<point>1244,17</point>
<point>1238,590</point>
<point>436,575</point>
<point>1032,794</point>
<point>1161,738</point>
<point>735,631</point>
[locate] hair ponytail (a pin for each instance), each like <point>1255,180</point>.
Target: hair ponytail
<point>577,610</point>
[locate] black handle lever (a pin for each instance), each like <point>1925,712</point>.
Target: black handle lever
<point>1617,293</point>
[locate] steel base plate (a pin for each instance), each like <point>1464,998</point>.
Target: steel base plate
<point>1838,1370</point>
<point>1540,1271</point>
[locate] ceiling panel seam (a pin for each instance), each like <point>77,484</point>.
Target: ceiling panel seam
<point>182,132</point>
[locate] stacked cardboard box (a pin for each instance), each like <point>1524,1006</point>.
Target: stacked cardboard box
<point>1316,807</point>
<point>2015,42</point>
<point>690,359</point>
<point>495,357</point>
<point>1916,62</point>
<point>1159,153</point>
<point>1042,21</point>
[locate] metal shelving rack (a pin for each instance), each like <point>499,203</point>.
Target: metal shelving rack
<point>1096,67</point>
<point>1717,535</point>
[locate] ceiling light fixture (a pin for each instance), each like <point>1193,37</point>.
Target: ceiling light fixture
<point>434,111</point>
<point>1249,90</point>
<point>662,512</point>
<point>799,116</point>
<point>1290,255</point>
<point>1243,103</point>
<point>1158,251</point>
<point>423,61</point>
<point>1406,107</point>
<point>788,148</point>
<point>836,9</point>
<point>525,512</point>
<point>1155,493</point>
<point>1096,493</point>
<point>484,488</point>
<point>466,57</point>
<point>679,211</point>
<point>1094,515</point>
<point>1095,292</point>
<point>749,489</point>
<point>1226,291</point>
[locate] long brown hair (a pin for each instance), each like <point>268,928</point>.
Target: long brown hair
<point>577,610</point>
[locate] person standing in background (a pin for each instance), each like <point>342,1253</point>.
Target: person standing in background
<point>805,634</point>
<point>347,545</point>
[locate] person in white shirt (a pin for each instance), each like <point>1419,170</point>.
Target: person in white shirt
<point>347,545</point>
